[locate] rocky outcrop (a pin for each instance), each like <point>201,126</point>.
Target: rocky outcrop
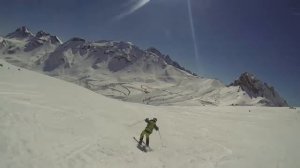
<point>256,88</point>
<point>20,34</point>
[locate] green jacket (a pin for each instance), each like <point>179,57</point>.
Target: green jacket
<point>150,126</point>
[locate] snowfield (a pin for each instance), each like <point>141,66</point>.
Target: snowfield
<point>49,123</point>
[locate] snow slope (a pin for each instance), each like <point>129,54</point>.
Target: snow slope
<point>46,122</point>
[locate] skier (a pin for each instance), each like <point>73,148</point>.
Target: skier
<point>151,124</point>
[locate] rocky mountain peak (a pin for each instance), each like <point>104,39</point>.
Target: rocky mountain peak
<point>168,60</point>
<point>154,51</point>
<point>47,37</point>
<point>41,34</point>
<point>256,88</point>
<point>250,84</point>
<point>41,39</point>
<point>20,33</point>
<point>23,29</point>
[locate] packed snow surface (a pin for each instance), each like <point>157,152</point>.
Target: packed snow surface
<point>49,123</point>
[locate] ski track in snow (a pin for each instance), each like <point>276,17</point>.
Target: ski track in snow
<point>45,122</point>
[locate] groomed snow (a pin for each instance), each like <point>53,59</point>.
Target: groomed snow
<point>49,123</point>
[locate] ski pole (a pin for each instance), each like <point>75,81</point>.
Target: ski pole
<point>161,139</point>
<point>135,123</point>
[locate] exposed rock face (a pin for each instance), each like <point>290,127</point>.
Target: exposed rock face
<point>256,88</point>
<point>3,43</point>
<point>169,60</point>
<point>40,39</point>
<point>20,34</point>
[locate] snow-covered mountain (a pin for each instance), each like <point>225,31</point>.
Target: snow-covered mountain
<point>123,71</point>
<point>25,49</point>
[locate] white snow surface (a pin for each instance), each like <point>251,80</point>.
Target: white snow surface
<point>46,122</point>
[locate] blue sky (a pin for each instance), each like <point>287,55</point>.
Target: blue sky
<point>232,36</point>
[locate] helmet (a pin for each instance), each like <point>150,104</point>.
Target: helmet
<point>154,119</point>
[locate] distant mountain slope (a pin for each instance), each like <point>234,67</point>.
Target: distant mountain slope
<point>123,71</point>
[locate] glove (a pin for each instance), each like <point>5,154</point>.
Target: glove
<point>157,128</point>
<point>147,119</point>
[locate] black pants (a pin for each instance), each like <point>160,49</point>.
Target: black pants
<point>145,132</point>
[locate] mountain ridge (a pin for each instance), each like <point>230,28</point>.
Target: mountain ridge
<point>124,71</point>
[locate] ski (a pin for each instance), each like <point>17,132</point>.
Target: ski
<point>143,146</point>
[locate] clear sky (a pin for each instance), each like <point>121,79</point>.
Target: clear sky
<point>214,38</point>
